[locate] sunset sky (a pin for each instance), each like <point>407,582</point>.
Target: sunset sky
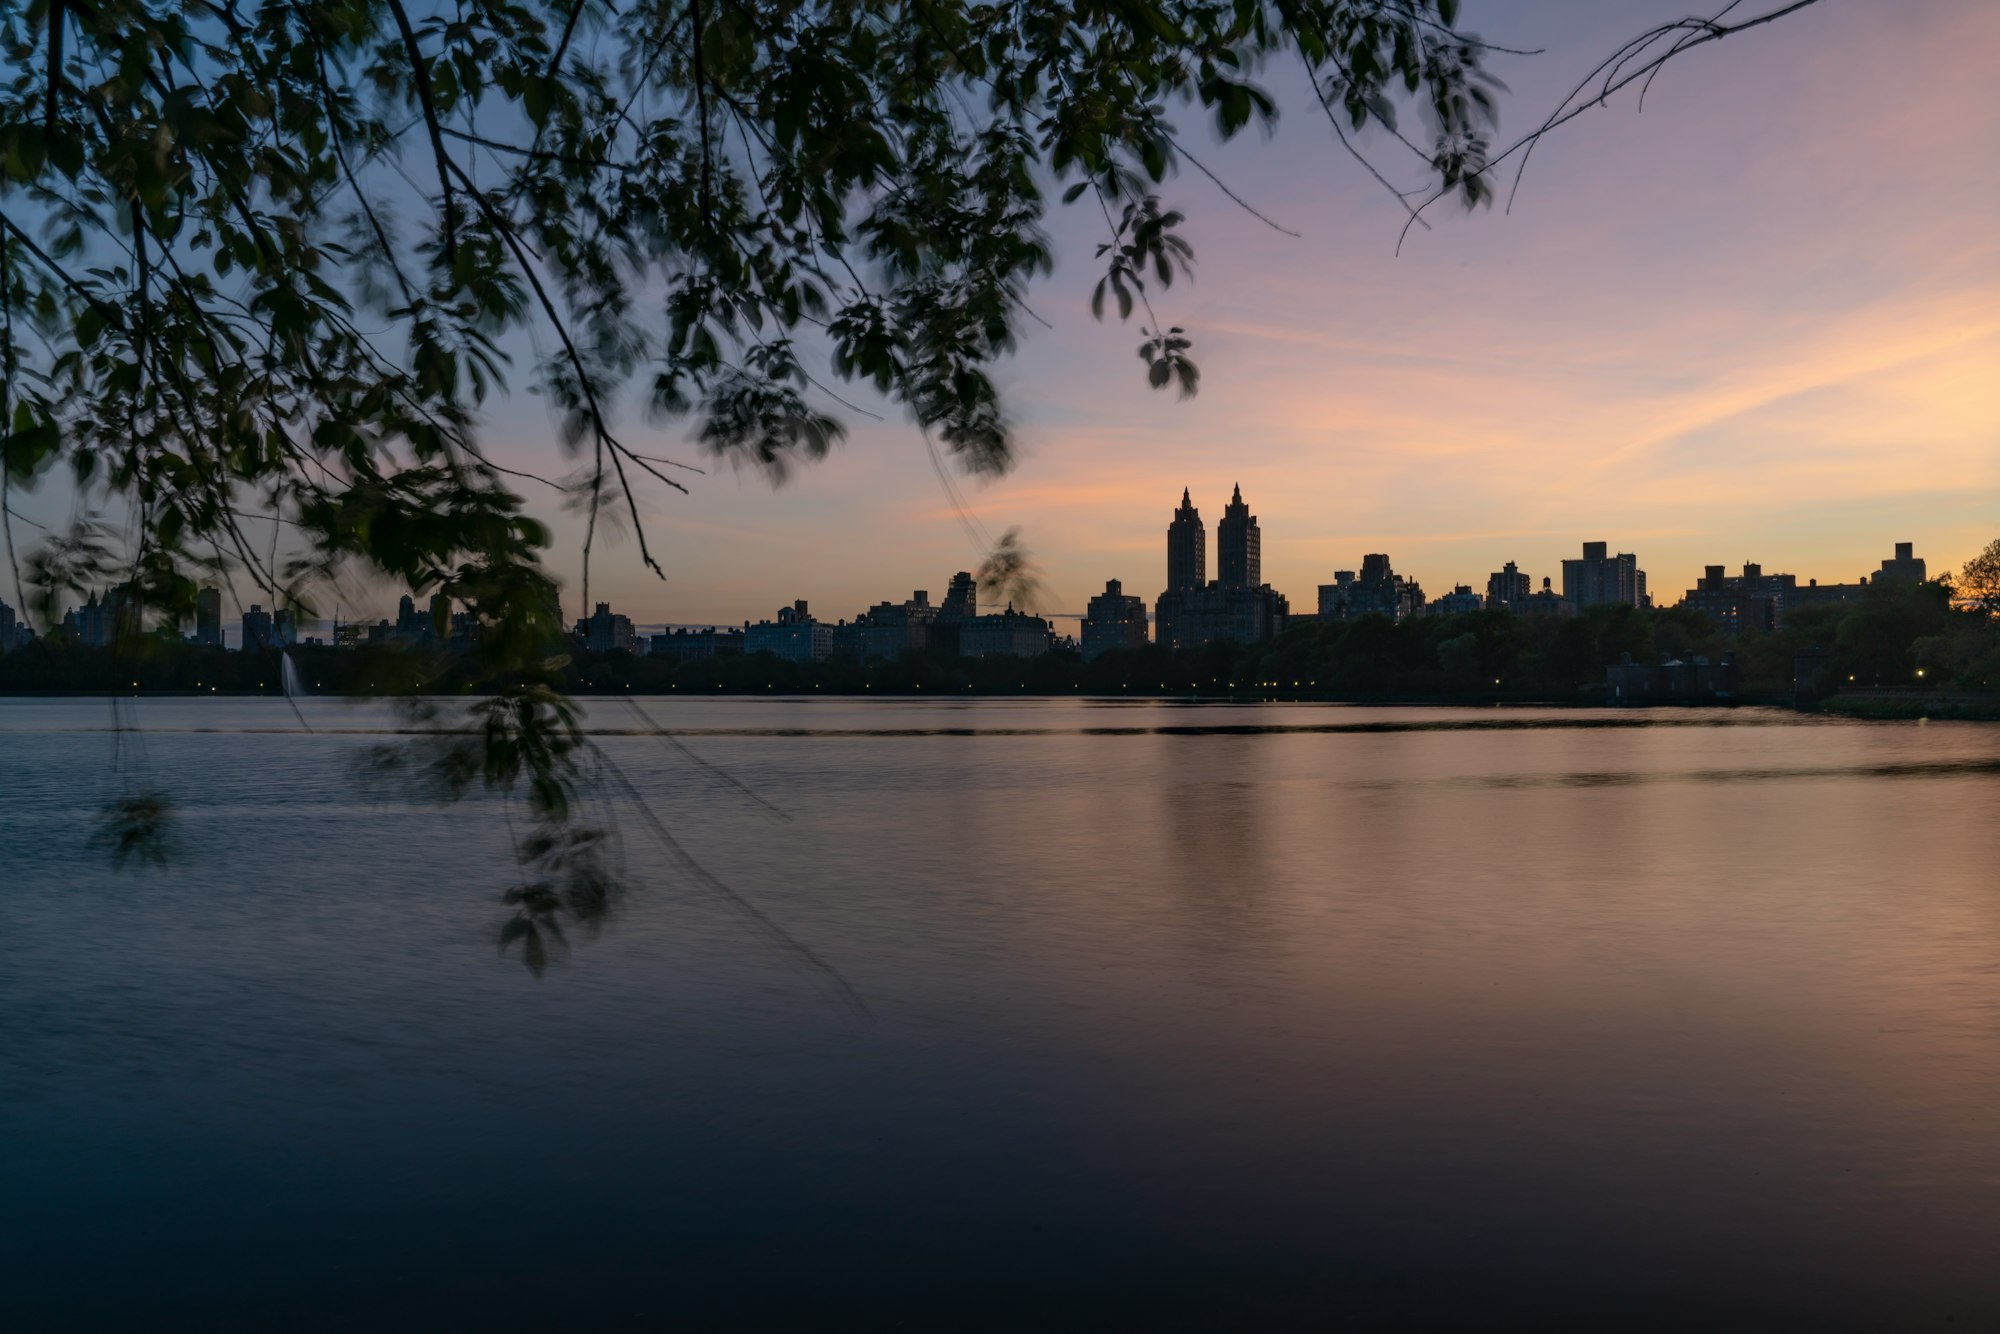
<point>1759,321</point>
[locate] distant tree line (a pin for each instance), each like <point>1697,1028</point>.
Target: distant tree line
<point>1901,636</point>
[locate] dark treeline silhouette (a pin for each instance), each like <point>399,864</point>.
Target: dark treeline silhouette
<point>1898,637</point>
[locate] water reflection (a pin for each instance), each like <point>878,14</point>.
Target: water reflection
<point>1410,1025</point>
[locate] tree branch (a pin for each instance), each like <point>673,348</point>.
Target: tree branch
<point>420,78</point>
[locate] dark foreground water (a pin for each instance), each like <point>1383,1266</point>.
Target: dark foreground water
<point>1168,1017</point>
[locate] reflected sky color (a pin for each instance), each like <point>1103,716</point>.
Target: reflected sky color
<point>1485,1019</point>
<point>1759,321</point>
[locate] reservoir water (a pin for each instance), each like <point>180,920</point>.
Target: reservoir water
<point>1030,1015</point>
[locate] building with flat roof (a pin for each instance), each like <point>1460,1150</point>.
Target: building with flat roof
<point>603,631</point>
<point>1377,591</point>
<point>1113,621</point>
<point>888,630</point>
<point>1752,601</point>
<point>1006,634</point>
<point>208,617</point>
<point>687,644</point>
<point>257,629</point>
<point>1598,577</point>
<point>1461,601</point>
<point>1506,586</point>
<point>1903,567</point>
<point>795,636</point>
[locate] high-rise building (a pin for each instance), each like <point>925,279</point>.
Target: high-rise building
<point>6,627</point>
<point>407,620</point>
<point>1752,600</point>
<point>208,617</point>
<point>256,629</point>
<point>1506,586</point>
<point>1239,561</point>
<point>1187,547</point>
<point>100,620</point>
<point>1113,621</point>
<point>1379,591</point>
<point>961,598</point>
<point>1237,606</point>
<point>604,630</point>
<point>1598,578</point>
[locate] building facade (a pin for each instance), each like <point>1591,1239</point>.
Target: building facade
<point>888,630</point>
<point>1007,634</point>
<point>1905,566</point>
<point>1506,586</point>
<point>1187,547</point>
<point>257,629</point>
<point>795,636</point>
<point>1239,545</point>
<point>689,645</point>
<point>1751,601</point>
<point>1597,577</point>
<point>208,617</point>
<point>1671,680</point>
<point>1461,601</point>
<point>961,598</point>
<point>1239,605</point>
<point>604,631</point>
<point>1113,622</point>
<point>1377,591</point>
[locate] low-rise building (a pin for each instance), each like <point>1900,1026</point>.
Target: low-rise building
<point>688,644</point>
<point>1461,601</point>
<point>1905,566</point>
<point>1007,634</point>
<point>1189,617</point>
<point>1672,681</point>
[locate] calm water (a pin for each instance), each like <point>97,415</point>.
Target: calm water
<point>1175,1016</point>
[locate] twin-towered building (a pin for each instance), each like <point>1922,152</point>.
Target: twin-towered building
<point>1238,604</point>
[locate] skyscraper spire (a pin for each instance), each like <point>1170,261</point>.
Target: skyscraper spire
<point>1238,546</point>
<point>1187,547</point>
